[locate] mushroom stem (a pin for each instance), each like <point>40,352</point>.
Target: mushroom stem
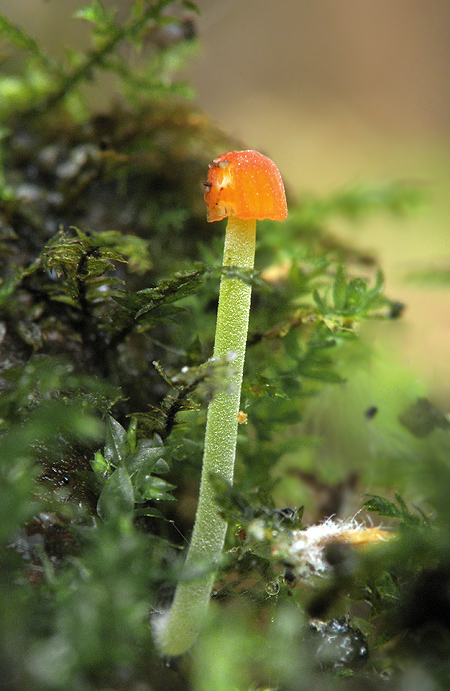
<point>180,627</point>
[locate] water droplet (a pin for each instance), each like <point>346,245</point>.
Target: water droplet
<point>272,587</point>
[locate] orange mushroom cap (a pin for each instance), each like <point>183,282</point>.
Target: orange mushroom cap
<point>244,184</point>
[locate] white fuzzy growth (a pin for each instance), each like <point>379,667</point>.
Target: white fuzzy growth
<point>158,624</point>
<point>305,549</point>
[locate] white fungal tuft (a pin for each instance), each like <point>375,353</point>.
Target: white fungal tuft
<point>306,549</point>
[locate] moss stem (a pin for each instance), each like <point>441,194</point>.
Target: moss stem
<point>179,629</point>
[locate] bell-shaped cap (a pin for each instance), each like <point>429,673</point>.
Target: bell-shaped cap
<point>244,184</point>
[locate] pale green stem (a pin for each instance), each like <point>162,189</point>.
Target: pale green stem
<point>179,631</point>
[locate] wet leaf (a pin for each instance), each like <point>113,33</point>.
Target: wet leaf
<point>116,500</point>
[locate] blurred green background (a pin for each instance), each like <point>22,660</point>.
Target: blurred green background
<point>336,93</point>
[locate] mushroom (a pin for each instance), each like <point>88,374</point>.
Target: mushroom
<point>243,186</point>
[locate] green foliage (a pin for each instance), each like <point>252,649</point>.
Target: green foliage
<point>242,509</point>
<point>19,39</point>
<point>126,470</point>
<point>353,299</point>
<point>384,507</point>
<point>109,283</point>
<point>168,291</point>
<point>48,83</point>
<point>354,204</point>
<point>83,264</point>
